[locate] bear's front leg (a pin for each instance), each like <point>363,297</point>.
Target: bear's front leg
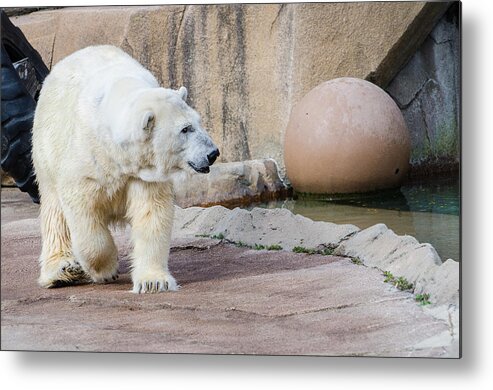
<point>150,211</point>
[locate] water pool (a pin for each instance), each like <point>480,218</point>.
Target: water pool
<point>428,210</point>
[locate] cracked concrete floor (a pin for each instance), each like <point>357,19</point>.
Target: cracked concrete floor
<point>232,300</point>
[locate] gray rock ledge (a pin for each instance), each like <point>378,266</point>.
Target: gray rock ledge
<point>377,247</point>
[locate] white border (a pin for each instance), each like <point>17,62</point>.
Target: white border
<point>474,371</point>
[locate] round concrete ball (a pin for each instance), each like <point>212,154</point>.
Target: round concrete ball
<point>346,135</point>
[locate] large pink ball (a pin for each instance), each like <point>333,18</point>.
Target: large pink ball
<point>346,135</point>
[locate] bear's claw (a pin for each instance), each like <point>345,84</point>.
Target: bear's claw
<point>106,278</point>
<point>155,285</point>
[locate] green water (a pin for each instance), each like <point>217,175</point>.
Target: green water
<point>427,210</point>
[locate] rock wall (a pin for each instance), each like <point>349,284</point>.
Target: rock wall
<point>245,65</point>
<point>17,11</point>
<point>427,90</point>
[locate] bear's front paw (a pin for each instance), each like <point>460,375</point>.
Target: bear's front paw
<point>153,283</point>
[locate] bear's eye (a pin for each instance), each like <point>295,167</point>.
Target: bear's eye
<point>187,129</point>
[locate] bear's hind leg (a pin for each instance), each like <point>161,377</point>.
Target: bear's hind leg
<point>58,265</point>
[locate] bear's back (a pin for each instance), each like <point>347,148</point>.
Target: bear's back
<point>103,62</point>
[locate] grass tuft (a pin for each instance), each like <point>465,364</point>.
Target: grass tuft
<point>259,247</point>
<point>389,278</point>
<point>403,284</point>
<point>302,249</point>
<point>312,251</point>
<point>356,260</point>
<point>423,299</point>
<point>400,282</point>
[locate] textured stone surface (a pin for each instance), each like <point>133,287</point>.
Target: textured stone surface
<point>260,226</point>
<point>245,66</point>
<point>376,246</point>
<point>404,256</point>
<point>346,135</point>
<point>231,183</point>
<point>17,11</point>
<point>427,90</point>
<point>232,300</point>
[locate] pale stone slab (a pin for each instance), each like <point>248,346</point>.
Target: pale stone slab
<point>261,226</point>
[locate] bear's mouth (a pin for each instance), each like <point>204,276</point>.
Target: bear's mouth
<point>205,169</point>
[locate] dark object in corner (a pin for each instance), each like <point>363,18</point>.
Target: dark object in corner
<point>23,72</point>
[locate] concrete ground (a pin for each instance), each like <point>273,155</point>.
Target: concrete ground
<point>232,301</point>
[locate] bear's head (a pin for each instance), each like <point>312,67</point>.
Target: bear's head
<point>170,133</point>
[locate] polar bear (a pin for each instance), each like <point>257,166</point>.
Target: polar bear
<point>107,141</point>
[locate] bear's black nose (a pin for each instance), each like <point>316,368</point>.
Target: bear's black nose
<point>212,156</point>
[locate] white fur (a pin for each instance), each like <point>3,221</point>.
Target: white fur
<point>107,141</point>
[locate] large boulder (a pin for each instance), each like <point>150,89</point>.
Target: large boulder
<point>346,135</point>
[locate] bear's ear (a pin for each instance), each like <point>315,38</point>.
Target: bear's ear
<point>183,93</point>
<point>148,121</point>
